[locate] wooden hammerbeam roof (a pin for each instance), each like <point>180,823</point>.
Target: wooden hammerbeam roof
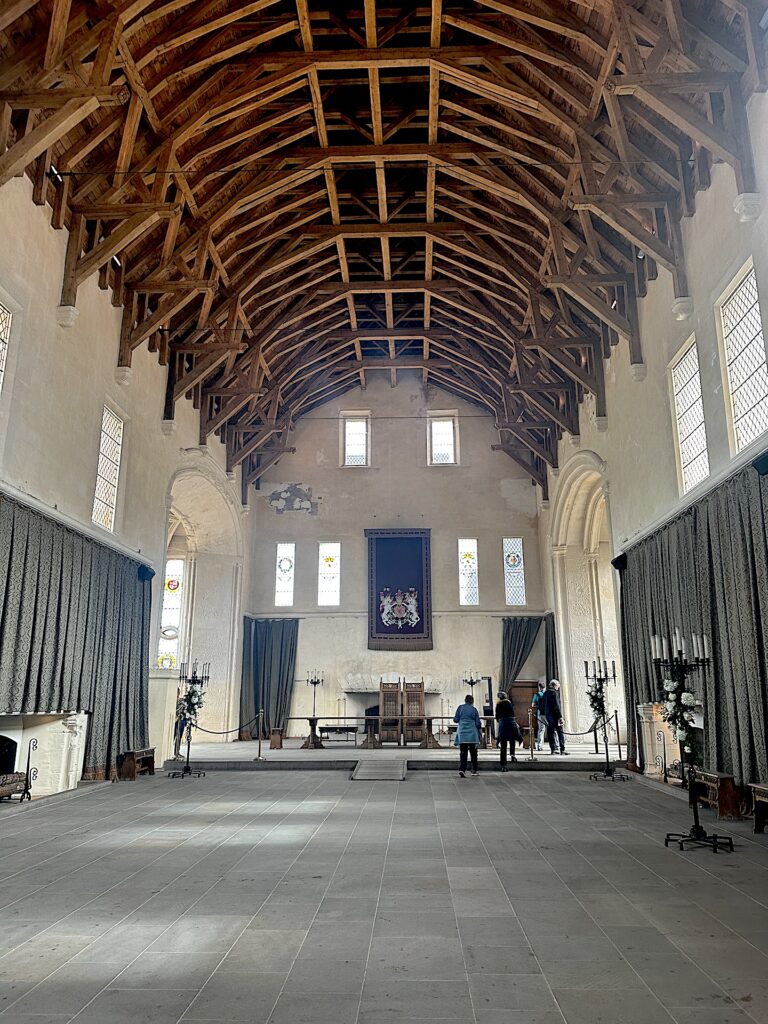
<point>285,196</point>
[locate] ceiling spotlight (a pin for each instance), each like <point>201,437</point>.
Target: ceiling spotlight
<point>640,254</point>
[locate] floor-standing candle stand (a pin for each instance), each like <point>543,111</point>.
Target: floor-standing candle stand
<point>313,741</point>
<point>697,834</point>
<point>596,683</point>
<point>676,669</point>
<point>189,706</point>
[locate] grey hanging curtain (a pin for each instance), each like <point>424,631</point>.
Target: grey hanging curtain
<point>707,570</point>
<point>551,667</point>
<point>517,642</point>
<point>269,666</point>
<point>74,632</point>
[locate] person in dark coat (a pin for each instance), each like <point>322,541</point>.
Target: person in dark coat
<point>508,729</point>
<point>553,713</point>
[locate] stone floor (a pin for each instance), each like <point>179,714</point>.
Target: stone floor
<point>298,897</point>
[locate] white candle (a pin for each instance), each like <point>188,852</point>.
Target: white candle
<point>664,649</point>
<point>706,646</point>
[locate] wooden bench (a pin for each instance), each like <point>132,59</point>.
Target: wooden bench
<point>760,803</point>
<point>718,790</point>
<point>11,784</point>
<point>326,731</point>
<point>135,762</point>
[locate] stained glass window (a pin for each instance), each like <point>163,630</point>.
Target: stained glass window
<point>469,592</point>
<point>745,360</point>
<point>442,440</point>
<point>170,622</point>
<point>355,440</point>
<point>689,415</point>
<point>108,472</point>
<point>329,574</point>
<point>514,571</point>
<point>285,568</point>
<point>5,333</point>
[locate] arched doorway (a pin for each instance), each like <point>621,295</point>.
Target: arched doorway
<point>199,612</point>
<point>584,584</point>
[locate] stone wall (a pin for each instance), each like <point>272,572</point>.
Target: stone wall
<point>486,496</point>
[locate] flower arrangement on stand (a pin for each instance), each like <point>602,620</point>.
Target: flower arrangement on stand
<point>596,698</point>
<point>678,712</point>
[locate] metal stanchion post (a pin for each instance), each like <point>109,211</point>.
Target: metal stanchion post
<point>261,730</point>
<point>618,737</point>
<point>530,735</point>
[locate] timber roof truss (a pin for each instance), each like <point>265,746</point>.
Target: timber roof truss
<point>285,196</point>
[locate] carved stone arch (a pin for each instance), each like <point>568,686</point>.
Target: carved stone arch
<point>211,513</point>
<point>585,464</point>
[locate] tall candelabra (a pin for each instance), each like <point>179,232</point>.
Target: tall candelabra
<point>596,683</point>
<point>471,680</point>
<point>191,692</point>
<point>673,668</point>
<point>315,679</point>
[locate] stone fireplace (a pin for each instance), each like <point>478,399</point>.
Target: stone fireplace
<point>58,753</point>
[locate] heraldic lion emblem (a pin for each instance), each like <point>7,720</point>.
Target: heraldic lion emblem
<point>401,608</point>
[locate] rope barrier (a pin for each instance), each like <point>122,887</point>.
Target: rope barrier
<point>224,732</point>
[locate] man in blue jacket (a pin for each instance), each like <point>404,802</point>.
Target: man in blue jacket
<point>467,733</point>
<point>553,712</point>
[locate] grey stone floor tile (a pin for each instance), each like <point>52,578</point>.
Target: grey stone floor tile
<point>423,903</point>
<point>337,940</point>
<point>590,1007</point>
<point>309,977</point>
<point>136,1006</point>
<point>322,1008</point>
<point>387,1000</point>
<point>404,923</point>
<point>237,996</point>
<point>346,908</point>
<point>589,975</point>
<point>201,934</point>
<point>39,1018</point>
<point>393,959</point>
<point>68,989</point>
<point>729,1015</point>
<point>490,931</point>
<point>510,992</point>
<point>574,947</point>
<point>168,970</point>
<point>517,958</point>
<point>264,952</point>
<point>537,1016</point>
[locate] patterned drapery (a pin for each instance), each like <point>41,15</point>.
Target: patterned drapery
<point>707,571</point>
<point>519,636</point>
<point>74,632</point>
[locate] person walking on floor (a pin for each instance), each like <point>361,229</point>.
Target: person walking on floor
<point>541,722</point>
<point>467,734</point>
<point>508,729</point>
<point>553,713</point>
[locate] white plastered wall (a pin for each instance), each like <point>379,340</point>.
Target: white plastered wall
<point>56,383</point>
<point>486,496</point>
<point>635,452</point>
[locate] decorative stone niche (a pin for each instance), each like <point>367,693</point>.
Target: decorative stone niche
<point>656,738</point>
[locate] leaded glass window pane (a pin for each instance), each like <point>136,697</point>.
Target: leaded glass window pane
<point>746,362</point>
<point>689,413</point>
<point>285,568</point>
<point>355,441</point>
<point>514,571</point>
<point>469,592</point>
<point>170,622</point>
<point>329,574</point>
<point>108,470</point>
<point>442,441</point>
<point>6,318</point>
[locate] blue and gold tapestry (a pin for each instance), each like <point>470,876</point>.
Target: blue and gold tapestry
<point>399,598</point>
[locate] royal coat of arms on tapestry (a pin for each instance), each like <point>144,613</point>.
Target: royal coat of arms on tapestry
<point>401,608</point>
<point>399,590</point>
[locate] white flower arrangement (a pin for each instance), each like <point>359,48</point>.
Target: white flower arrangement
<point>688,699</point>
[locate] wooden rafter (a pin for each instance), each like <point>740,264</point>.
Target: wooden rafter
<point>286,198</point>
